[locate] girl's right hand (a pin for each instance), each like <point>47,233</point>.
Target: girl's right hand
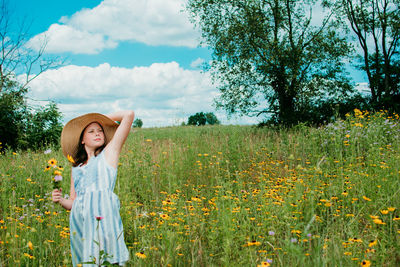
<point>56,195</point>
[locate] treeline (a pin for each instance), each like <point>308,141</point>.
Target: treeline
<point>273,59</point>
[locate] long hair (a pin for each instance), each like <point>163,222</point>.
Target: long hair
<point>81,155</point>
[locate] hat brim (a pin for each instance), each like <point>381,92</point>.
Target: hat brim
<point>72,131</point>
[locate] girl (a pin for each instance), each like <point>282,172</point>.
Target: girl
<point>93,142</point>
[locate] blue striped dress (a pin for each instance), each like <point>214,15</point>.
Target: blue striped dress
<point>94,184</point>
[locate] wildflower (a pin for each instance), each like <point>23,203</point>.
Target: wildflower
<point>264,263</point>
<point>367,199</point>
<point>29,256</point>
<point>56,181</point>
<point>379,221</point>
<point>99,218</point>
<point>372,243</point>
<point>384,212</point>
<point>370,250</point>
<point>271,232</point>
<point>293,240</point>
<point>70,159</point>
<point>141,255</point>
<point>391,209</point>
<point>253,243</point>
<point>397,218</point>
<point>48,151</point>
<point>164,216</point>
<point>52,162</point>
<point>366,263</point>
<point>30,245</point>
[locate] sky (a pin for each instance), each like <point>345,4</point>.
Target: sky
<point>142,55</point>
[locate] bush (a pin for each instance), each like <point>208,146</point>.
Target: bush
<point>202,118</point>
<point>138,123</point>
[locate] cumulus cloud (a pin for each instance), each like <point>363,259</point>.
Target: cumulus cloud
<point>161,94</point>
<point>152,22</point>
<point>64,38</point>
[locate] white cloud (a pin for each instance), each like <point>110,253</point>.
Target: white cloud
<point>152,22</point>
<point>197,63</point>
<point>63,38</point>
<point>161,94</point>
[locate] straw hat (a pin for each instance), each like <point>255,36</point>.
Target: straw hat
<point>72,131</point>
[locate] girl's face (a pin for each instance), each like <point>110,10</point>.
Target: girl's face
<point>93,136</point>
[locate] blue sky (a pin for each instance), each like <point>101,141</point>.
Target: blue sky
<point>122,54</point>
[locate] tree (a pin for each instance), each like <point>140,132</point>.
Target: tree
<point>376,24</point>
<point>21,126</point>
<point>201,118</point>
<point>269,57</point>
<point>137,123</point>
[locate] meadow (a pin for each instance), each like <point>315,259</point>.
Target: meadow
<point>227,196</point>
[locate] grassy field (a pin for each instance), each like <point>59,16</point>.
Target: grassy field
<point>227,196</point>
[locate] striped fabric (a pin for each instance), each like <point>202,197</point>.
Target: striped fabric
<point>94,185</point>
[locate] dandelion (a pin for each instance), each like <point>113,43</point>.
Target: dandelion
<point>141,255</point>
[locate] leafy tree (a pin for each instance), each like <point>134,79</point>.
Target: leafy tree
<point>212,119</point>
<point>137,123</point>
<point>269,57</point>
<point>22,126</point>
<point>202,118</point>
<point>376,24</point>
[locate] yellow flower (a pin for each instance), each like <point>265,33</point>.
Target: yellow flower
<point>373,243</point>
<point>57,172</point>
<point>384,211</point>
<point>52,162</point>
<point>366,263</point>
<point>391,209</point>
<point>164,216</point>
<point>379,221</point>
<point>141,255</point>
<point>70,159</point>
<point>264,263</point>
<point>367,199</point>
<point>30,245</point>
<point>253,243</point>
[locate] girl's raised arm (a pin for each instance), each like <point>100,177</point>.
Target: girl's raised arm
<point>113,148</point>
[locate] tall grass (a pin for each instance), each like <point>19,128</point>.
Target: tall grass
<point>228,196</point>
